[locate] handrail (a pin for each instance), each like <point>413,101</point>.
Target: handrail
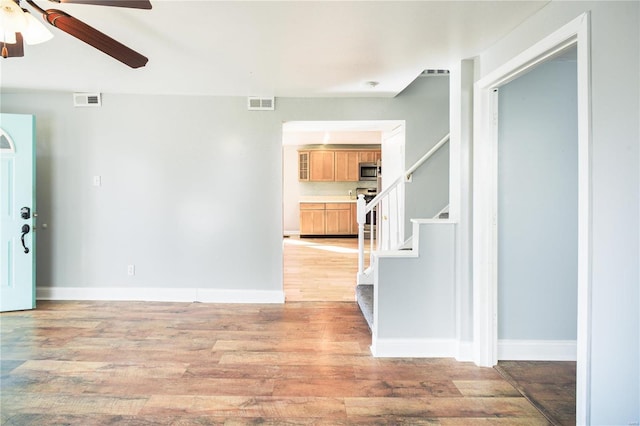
<point>371,204</point>
<point>425,157</point>
<point>363,208</point>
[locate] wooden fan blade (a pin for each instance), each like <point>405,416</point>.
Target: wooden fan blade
<point>133,4</point>
<point>95,38</point>
<point>15,50</point>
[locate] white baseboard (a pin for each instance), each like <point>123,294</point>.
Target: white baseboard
<point>413,348</point>
<point>537,350</point>
<point>156,294</point>
<point>465,351</point>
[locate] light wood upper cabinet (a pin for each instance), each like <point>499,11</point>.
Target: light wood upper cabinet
<point>321,166</point>
<point>318,165</point>
<point>346,166</point>
<point>303,165</point>
<point>369,156</point>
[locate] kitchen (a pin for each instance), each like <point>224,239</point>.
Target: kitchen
<point>323,180</point>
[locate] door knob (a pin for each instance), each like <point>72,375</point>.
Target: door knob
<point>25,231</point>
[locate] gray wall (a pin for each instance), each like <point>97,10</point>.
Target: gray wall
<point>414,296</point>
<point>191,186</point>
<point>429,191</point>
<point>614,369</point>
<point>538,204</point>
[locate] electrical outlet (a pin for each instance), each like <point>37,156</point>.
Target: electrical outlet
<point>131,270</point>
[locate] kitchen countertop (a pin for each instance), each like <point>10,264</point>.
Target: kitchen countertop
<point>327,199</point>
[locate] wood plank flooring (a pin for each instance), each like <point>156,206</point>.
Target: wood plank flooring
<point>549,385</point>
<point>321,269</point>
<point>134,363</point>
<point>304,362</point>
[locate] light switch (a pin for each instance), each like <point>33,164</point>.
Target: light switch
<point>97,181</point>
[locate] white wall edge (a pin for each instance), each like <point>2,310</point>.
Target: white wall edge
<point>159,294</point>
<point>537,350</point>
<point>413,348</point>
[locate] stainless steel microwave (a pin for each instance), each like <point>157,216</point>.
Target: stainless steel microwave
<point>368,171</point>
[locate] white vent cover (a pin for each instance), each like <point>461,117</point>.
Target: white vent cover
<point>261,104</point>
<point>87,100</point>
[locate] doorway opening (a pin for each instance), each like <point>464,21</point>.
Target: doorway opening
<point>322,265</point>
<point>575,34</point>
<point>537,232</point>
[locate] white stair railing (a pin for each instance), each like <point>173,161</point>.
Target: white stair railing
<point>385,211</point>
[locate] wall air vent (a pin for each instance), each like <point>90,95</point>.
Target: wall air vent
<point>261,104</point>
<point>87,100</point>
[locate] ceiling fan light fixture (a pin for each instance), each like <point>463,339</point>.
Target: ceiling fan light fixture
<point>12,18</point>
<point>36,32</point>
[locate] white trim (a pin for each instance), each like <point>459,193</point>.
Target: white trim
<point>422,348</point>
<point>583,347</point>
<point>413,348</point>
<point>159,294</point>
<point>465,351</point>
<point>537,350</point>
<point>209,295</point>
<point>485,301</point>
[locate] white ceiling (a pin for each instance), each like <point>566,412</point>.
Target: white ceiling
<point>264,48</point>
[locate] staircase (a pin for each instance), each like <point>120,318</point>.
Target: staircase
<point>364,292</point>
<point>389,217</point>
<point>406,294</point>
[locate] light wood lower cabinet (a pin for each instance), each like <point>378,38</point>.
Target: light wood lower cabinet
<point>327,219</point>
<point>312,219</point>
<point>338,218</point>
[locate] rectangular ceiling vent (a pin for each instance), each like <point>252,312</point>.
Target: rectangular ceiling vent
<point>262,104</point>
<point>427,73</point>
<point>87,100</point>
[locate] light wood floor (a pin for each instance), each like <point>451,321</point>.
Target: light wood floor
<point>304,362</point>
<point>321,269</point>
<point>134,363</point>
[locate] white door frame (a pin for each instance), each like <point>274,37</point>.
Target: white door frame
<point>485,206</point>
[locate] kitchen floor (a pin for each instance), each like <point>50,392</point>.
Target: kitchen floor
<point>321,269</point>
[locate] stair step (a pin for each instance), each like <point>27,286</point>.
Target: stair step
<point>364,296</point>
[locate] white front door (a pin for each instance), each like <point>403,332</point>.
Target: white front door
<point>17,206</point>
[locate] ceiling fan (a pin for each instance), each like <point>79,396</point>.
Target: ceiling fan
<point>17,25</point>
